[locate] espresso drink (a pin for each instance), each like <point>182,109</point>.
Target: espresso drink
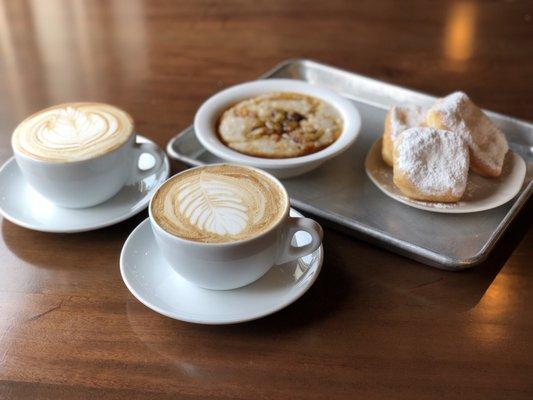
<point>220,203</point>
<point>72,132</point>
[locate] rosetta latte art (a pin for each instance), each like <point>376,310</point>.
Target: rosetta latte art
<point>218,204</point>
<point>73,132</point>
<point>213,204</point>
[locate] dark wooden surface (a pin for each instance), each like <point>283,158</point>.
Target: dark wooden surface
<point>375,325</point>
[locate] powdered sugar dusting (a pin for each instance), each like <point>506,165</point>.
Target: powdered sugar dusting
<point>385,181</point>
<point>459,114</point>
<point>435,161</point>
<point>406,116</point>
<point>433,204</point>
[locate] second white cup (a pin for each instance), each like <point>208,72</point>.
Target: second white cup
<point>231,265</point>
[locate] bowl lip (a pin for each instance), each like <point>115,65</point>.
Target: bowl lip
<point>210,110</point>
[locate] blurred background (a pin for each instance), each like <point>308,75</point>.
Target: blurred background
<point>126,51</point>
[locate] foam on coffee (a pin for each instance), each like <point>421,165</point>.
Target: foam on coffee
<point>72,132</point>
<point>220,203</point>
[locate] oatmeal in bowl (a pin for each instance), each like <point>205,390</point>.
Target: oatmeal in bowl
<point>286,127</point>
<point>280,125</point>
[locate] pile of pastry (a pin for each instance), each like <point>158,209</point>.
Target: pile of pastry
<point>432,150</point>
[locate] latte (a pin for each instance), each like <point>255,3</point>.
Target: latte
<point>72,132</point>
<point>219,203</point>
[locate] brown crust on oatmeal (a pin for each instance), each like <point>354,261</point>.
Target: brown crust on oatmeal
<point>279,125</point>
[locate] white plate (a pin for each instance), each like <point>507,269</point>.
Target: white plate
<point>481,193</point>
<point>23,206</point>
<point>155,284</point>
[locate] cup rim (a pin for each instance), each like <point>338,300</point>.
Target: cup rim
<point>161,230</point>
<point>18,153</point>
<point>210,110</point>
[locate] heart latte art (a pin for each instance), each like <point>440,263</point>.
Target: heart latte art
<point>72,132</point>
<point>216,204</point>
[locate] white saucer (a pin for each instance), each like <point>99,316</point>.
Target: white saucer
<point>155,284</point>
<point>23,206</point>
<point>481,193</point>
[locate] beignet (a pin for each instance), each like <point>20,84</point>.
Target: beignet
<point>487,144</point>
<point>398,119</point>
<point>431,164</point>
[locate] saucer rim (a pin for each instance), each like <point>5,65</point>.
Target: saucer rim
<point>142,204</point>
<point>317,267</point>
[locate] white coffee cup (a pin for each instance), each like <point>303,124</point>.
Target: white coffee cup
<point>229,265</point>
<point>88,182</point>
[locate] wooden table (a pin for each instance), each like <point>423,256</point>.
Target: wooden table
<point>375,325</point>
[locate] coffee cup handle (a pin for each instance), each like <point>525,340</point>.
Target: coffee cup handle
<point>293,225</point>
<point>152,149</point>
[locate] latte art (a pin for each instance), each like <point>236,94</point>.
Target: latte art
<point>217,204</point>
<point>72,132</point>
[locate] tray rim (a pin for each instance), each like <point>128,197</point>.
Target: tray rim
<point>375,81</point>
<point>382,239</point>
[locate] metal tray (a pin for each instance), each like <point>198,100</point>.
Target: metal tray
<point>340,193</point>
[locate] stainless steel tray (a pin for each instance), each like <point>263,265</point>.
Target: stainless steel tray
<point>340,193</point>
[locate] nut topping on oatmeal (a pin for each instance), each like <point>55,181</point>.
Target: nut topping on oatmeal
<point>280,125</point>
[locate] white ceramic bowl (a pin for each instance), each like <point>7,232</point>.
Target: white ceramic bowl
<point>208,114</point>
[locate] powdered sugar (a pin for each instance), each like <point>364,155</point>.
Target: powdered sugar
<point>435,161</point>
<point>487,143</point>
<point>434,204</point>
<point>405,116</point>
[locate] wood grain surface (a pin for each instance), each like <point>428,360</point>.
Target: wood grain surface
<point>375,325</point>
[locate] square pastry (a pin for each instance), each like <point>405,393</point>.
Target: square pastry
<point>431,164</point>
<point>398,119</point>
<point>487,144</point>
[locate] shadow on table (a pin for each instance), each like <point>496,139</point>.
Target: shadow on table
<point>63,251</point>
<point>449,291</point>
<point>191,348</point>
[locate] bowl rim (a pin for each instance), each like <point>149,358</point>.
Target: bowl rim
<point>209,112</point>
